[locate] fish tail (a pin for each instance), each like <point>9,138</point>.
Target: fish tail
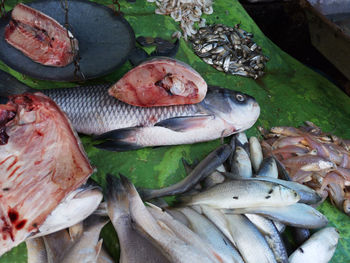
<point>116,196</point>
<point>128,185</point>
<point>9,85</point>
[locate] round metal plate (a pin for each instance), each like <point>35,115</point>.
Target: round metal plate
<point>105,41</point>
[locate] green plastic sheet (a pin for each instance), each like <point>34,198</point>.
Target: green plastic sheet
<point>288,94</point>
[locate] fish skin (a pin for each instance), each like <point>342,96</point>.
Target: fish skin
<point>298,215</point>
<point>208,231</point>
<point>88,247</point>
<point>76,207</point>
<point>249,241</point>
<point>174,248</point>
<point>241,164</point>
<point>217,218</point>
<point>307,194</point>
<point>133,246</point>
<point>244,193</point>
<point>202,170</point>
<point>93,112</point>
<point>319,248</point>
<point>256,154</point>
<point>185,234</point>
<point>272,236</point>
<point>36,251</point>
<point>268,168</point>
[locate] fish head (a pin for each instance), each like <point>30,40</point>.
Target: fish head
<point>240,111</point>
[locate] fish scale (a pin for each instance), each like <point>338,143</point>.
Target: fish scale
<point>92,111</point>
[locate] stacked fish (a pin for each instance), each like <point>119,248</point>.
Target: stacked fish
<point>229,49</point>
<point>186,12</point>
<point>235,216</point>
<point>314,158</point>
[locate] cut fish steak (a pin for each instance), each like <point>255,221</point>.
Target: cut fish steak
<point>40,37</point>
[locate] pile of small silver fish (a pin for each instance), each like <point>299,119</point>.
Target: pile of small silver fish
<point>236,216</point>
<point>187,12</point>
<point>229,49</point>
<point>317,159</point>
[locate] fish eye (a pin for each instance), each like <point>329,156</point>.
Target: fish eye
<point>240,97</point>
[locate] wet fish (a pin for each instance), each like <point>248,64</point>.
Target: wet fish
<point>208,231</point>
<point>76,207</point>
<point>244,193</point>
<point>268,168</point>
<point>160,81</point>
<point>319,248</point>
<point>92,111</point>
<point>36,251</point>
<point>256,154</point>
<point>249,241</point>
<point>298,215</point>
<point>41,162</point>
<point>133,246</point>
<point>203,169</point>
<point>40,37</point>
<point>272,236</point>
<point>300,235</point>
<point>241,165</point>
<point>172,246</point>
<point>89,245</point>
<point>307,194</point>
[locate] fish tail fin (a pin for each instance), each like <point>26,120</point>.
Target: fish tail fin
<point>118,140</point>
<point>9,85</point>
<point>128,185</point>
<point>116,196</point>
<point>98,248</point>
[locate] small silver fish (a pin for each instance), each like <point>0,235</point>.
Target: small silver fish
<point>244,193</point>
<point>319,248</point>
<point>256,154</point>
<point>298,215</point>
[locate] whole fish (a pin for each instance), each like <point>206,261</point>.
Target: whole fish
<point>203,169</point>
<point>244,193</point>
<point>249,241</point>
<point>133,246</point>
<point>272,236</point>
<point>241,165</point>
<point>209,232</point>
<point>171,245</point>
<point>36,251</point>
<point>77,206</point>
<point>88,247</point>
<point>255,152</point>
<point>298,215</point>
<point>319,248</point>
<point>92,111</point>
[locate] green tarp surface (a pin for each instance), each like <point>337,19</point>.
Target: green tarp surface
<point>288,94</point>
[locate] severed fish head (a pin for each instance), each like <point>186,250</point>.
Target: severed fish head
<point>240,111</point>
<point>41,162</point>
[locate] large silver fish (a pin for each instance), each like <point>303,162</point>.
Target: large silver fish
<point>92,111</point>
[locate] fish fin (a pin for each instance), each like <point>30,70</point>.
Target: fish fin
<point>116,196</point>
<point>189,167</point>
<point>128,185</point>
<point>98,248</point>
<point>76,231</point>
<point>117,140</point>
<point>101,209</point>
<point>182,124</point>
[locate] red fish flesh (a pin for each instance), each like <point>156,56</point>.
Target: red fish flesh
<point>41,162</point>
<point>160,82</point>
<point>39,37</point>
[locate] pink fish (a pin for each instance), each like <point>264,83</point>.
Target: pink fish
<point>41,162</point>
